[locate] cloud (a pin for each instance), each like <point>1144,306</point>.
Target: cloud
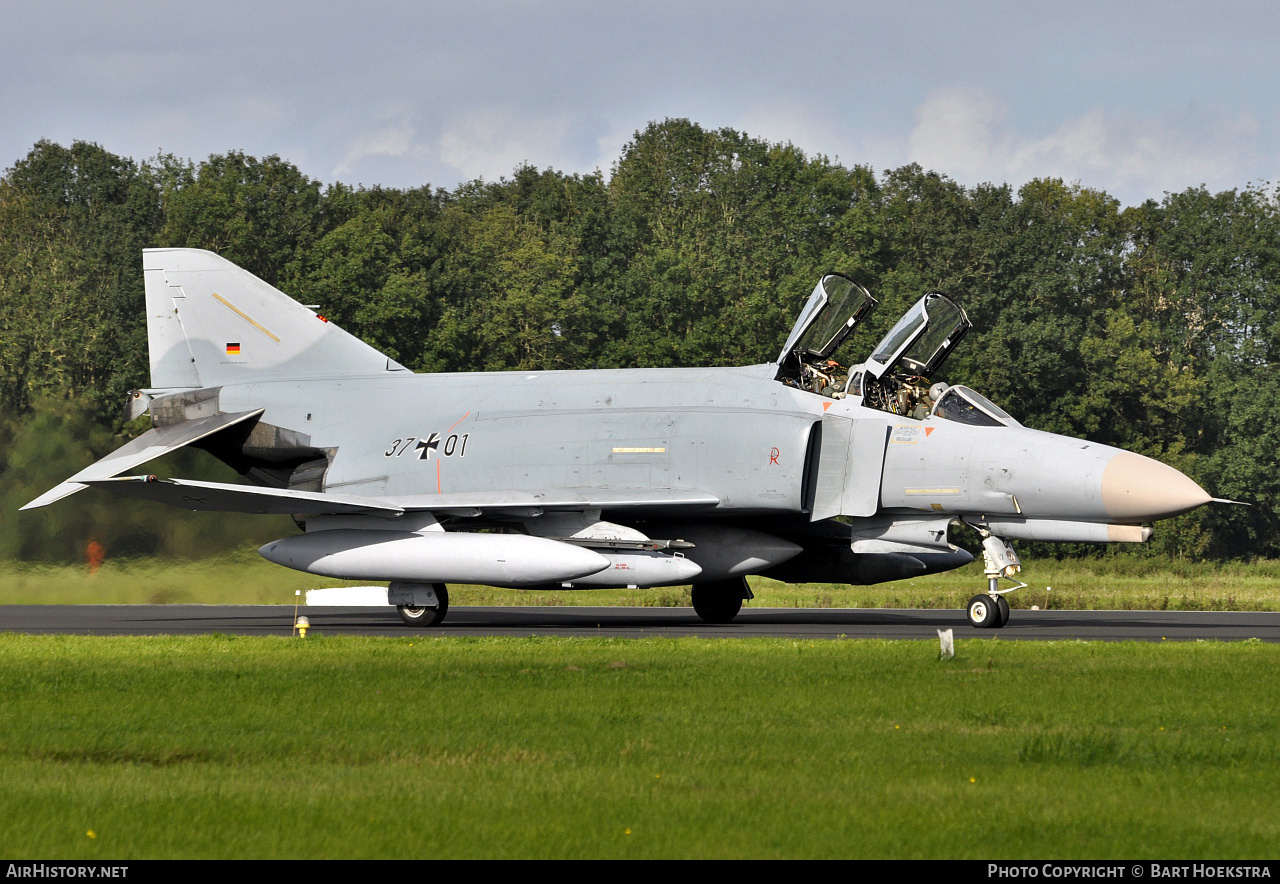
<point>810,129</point>
<point>969,135</point>
<point>407,94</point>
<point>389,141</point>
<point>490,144</point>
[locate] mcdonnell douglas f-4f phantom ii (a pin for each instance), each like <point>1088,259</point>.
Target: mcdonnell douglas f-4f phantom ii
<point>794,469</point>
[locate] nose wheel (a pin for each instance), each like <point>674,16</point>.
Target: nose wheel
<point>990,610</point>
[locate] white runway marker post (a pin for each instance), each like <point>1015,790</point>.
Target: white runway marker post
<point>948,641</point>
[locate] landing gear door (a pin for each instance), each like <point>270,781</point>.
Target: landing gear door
<point>828,318</point>
<point>921,340</point>
<point>850,465</point>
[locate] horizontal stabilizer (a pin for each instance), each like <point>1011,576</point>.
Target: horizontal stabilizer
<point>223,497</point>
<point>150,445</point>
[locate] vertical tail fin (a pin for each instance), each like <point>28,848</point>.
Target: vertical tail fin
<point>211,323</point>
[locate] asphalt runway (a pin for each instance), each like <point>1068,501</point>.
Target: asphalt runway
<point>615,622</point>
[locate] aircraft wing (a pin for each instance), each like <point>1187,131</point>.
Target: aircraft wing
<point>223,497</point>
<point>150,445</point>
<point>228,498</point>
<point>474,503</point>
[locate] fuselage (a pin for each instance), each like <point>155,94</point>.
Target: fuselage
<point>756,445</point>
<point>731,432</point>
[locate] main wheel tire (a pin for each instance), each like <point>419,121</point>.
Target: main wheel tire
<point>414,616</point>
<point>719,601</point>
<point>983,611</point>
<point>1002,606</point>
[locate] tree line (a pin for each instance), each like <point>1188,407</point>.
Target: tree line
<point>1151,327</point>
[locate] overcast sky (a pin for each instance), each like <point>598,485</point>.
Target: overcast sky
<point>1135,98</point>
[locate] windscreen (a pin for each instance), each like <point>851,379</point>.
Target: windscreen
<point>966,406</point>
<point>983,402</point>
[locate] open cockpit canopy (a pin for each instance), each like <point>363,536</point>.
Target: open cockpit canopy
<point>836,306</point>
<point>921,340</point>
<point>830,315</point>
<point>895,377</point>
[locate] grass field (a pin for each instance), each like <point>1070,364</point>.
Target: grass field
<point>1117,582</point>
<point>446,747</point>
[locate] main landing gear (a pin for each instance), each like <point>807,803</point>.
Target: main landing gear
<point>990,610</point>
<point>420,604</point>
<point>720,600</point>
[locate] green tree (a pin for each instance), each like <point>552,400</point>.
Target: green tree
<point>73,223</point>
<point>1207,268</point>
<point>509,299</point>
<point>259,214</point>
<point>718,238</point>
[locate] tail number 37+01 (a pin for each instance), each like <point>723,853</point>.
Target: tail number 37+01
<point>434,444</point>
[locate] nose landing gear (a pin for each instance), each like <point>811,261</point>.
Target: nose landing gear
<point>990,610</point>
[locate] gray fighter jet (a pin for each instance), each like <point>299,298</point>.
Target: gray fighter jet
<point>796,469</point>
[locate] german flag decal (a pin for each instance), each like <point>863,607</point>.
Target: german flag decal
<point>233,349</point>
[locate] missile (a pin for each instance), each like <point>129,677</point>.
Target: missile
<point>636,568</point>
<point>513,560</point>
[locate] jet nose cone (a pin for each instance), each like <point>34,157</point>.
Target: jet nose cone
<point>1138,489</point>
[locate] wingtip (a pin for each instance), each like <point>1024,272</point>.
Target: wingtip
<point>53,495</point>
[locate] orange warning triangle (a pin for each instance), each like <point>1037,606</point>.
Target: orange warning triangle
<point>826,405</point>
<point>928,430</point>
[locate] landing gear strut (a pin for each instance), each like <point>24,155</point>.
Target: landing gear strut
<point>720,600</point>
<point>990,610</point>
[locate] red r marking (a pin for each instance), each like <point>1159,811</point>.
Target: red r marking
<point>437,477</point>
<point>773,456</point>
<point>460,420</point>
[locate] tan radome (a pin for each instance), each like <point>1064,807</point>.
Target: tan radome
<point>1137,489</point>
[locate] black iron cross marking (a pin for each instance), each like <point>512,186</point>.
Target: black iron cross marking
<point>426,446</point>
